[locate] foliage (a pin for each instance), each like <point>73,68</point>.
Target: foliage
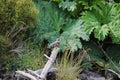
<point>99,19</point>
<point>27,12</point>
<point>90,4</point>
<point>29,59</point>
<point>70,6</point>
<point>14,11</point>
<point>16,17</point>
<point>98,57</point>
<point>117,1</point>
<point>54,23</point>
<point>113,53</point>
<point>75,7</point>
<point>103,21</point>
<point>115,67</point>
<point>74,32</point>
<point>68,67</point>
<point>51,21</point>
<point>94,52</point>
<point>4,43</point>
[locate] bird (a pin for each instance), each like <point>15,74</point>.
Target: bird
<point>54,44</point>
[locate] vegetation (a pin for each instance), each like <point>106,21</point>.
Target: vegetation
<point>30,59</point>
<point>16,18</point>
<point>28,26</point>
<point>103,21</point>
<point>54,23</point>
<point>69,67</point>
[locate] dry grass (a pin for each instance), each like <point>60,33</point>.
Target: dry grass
<point>69,66</point>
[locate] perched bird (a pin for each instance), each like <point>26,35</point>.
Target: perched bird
<point>54,44</point>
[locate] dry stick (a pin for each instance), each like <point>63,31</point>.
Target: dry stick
<point>33,73</point>
<point>26,75</point>
<point>49,63</point>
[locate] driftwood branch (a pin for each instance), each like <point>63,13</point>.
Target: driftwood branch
<point>32,74</point>
<point>41,73</point>
<point>49,63</point>
<point>25,74</point>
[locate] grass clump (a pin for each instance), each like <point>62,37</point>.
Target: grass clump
<point>68,67</point>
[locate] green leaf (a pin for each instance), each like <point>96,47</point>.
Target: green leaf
<point>52,21</point>
<point>69,5</point>
<point>91,22</point>
<point>73,34</point>
<point>90,4</point>
<point>101,32</point>
<point>103,20</point>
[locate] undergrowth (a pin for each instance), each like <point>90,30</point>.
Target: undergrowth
<point>30,58</point>
<point>107,57</point>
<point>69,66</point>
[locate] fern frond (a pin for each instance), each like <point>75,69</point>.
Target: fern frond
<point>103,20</point>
